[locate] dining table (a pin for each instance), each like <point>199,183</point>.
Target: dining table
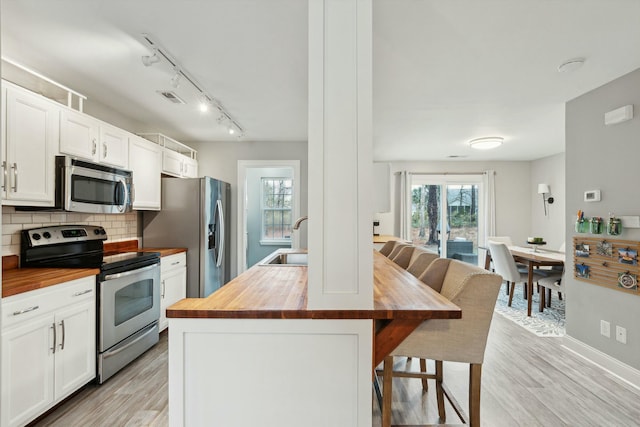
<point>534,258</point>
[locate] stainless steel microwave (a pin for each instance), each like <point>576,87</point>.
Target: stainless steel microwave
<point>83,186</point>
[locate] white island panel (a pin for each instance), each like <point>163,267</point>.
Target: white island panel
<point>270,372</point>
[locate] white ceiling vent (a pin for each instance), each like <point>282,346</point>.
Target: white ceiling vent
<point>171,96</point>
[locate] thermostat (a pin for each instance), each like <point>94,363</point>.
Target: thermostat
<point>592,196</point>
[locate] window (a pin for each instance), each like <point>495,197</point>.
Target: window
<point>277,194</point>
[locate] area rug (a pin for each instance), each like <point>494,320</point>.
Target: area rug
<point>549,323</point>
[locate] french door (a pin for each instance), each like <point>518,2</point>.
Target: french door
<point>447,214</point>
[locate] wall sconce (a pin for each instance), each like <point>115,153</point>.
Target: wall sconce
<point>544,189</point>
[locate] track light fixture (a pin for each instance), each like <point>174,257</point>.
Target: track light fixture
<point>149,60</point>
<point>206,101</point>
<point>175,80</point>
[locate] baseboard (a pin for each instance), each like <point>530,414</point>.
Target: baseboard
<point>606,362</point>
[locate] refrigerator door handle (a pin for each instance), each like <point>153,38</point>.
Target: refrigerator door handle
<point>221,232</point>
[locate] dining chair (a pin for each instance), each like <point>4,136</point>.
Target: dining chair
<point>507,241</point>
<point>420,260</point>
<point>397,248</point>
<point>388,247</point>
<point>403,256</point>
<point>552,282</point>
<point>555,273</point>
<point>474,290</point>
<point>505,265</point>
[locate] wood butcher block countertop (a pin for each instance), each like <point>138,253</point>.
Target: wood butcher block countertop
<point>280,292</point>
<point>18,280</point>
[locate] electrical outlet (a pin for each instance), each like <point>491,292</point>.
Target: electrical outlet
<point>621,334</point>
<point>605,328</point>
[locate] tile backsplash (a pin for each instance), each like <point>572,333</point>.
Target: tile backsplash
<point>118,227</point>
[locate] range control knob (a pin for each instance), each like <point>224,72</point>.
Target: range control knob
<point>96,231</point>
<point>35,236</point>
<point>46,235</point>
<point>102,231</point>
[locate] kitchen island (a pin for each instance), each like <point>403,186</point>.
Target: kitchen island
<point>300,362</point>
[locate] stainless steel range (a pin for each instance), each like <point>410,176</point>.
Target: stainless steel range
<point>128,305</point>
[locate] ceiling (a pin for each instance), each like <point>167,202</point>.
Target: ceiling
<point>444,71</point>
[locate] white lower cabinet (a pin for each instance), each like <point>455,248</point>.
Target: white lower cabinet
<point>48,348</point>
<point>173,283</point>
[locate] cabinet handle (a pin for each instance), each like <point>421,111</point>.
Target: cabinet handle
<point>4,173</point>
<point>53,326</point>
<point>77,294</point>
<point>163,289</point>
<point>104,149</point>
<point>175,263</point>
<point>63,334</point>
<point>15,177</point>
<point>95,147</point>
<point>26,310</point>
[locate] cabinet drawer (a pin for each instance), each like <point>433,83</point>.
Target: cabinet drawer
<point>25,306</point>
<point>170,262</point>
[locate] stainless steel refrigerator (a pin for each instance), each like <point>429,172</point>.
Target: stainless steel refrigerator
<point>194,215</point>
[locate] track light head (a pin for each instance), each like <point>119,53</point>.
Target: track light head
<point>149,60</point>
<point>175,80</point>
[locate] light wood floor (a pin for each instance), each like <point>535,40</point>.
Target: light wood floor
<point>527,381</point>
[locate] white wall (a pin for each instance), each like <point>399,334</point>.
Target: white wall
<point>513,194</point>
<point>606,158</point>
<point>549,170</point>
<point>220,160</point>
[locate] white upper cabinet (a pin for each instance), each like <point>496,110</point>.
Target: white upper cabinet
<point>113,148</point>
<point>189,168</point>
<point>88,138</point>
<point>78,134</point>
<point>145,160</point>
<point>179,165</point>
<point>29,141</point>
<point>178,160</point>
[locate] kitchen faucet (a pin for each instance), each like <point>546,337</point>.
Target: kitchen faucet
<point>296,226</point>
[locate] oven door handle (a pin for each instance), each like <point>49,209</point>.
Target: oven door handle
<point>129,273</point>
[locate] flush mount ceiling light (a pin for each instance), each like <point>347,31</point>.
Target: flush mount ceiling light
<point>486,143</point>
<point>571,65</point>
<point>206,101</point>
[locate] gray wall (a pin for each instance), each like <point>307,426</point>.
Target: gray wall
<point>255,250</point>
<point>549,170</point>
<point>606,158</point>
<point>220,160</point>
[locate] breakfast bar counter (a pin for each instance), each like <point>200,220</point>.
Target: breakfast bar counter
<point>259,330</point>
<point>280,292</point>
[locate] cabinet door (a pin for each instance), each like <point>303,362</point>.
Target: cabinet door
<point>78,135</point>
<point>27,370</point>
<point>189,168</point>
<point>75,358</point>
<point>173,289</point>
<point>114,146</point>
<point>145,160</point>
<point>32,127</point>
<point>172,163</point>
